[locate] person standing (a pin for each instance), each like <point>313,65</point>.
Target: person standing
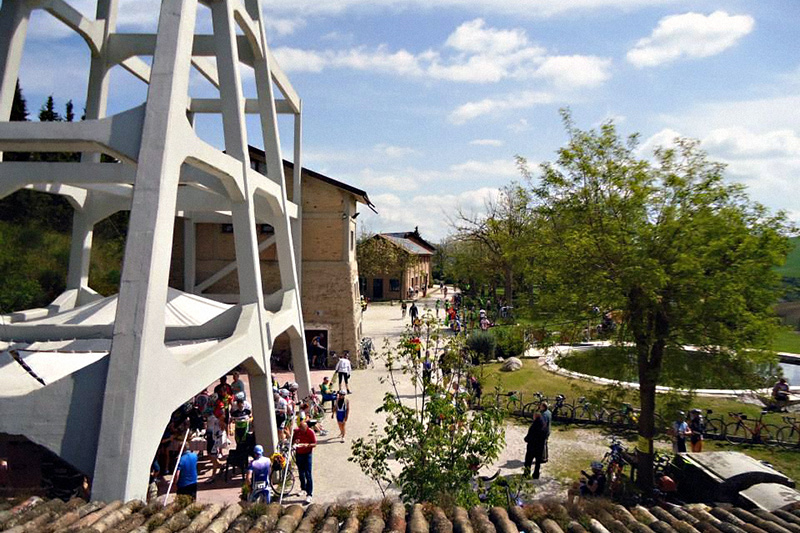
<point>342,413</point>
<point>547,417</point>
<point>304,441</point>
<point>344,368</point>
<point>259,470</point>
<point>241,414</point>
<point>680,430</point>
<point>536,450</point>
<point>237,385</point>
<point>414,312</point>
<point>403,307</point>
<point>697,427</point>
<point>187,474</point>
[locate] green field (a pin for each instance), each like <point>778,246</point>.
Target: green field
<point>788,341</point>
<point>532,378</point>
<point>792,267</point>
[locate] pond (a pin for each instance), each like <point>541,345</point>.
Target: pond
<point>681,368</point>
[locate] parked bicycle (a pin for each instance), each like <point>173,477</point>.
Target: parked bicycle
<point>739,431</point>
<point>282,476</point>
<point>531,407</point>
<point>628,417</point>
<point>714,426</point>
<point>789,436</point>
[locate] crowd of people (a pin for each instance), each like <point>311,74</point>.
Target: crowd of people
<point>219,426</point>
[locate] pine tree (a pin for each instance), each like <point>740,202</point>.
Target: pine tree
<point>48,112</point>
<point>70,113</point>
<point>19,109</point>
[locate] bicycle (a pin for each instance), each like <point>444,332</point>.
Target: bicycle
<point>282,477</point>
<point>259,493</point>
<point>788,436</point>
<point>530,408</point>
<point>738,431</point>
<point>514,403</point>
<point>561,409</point>
<point>628,417</point>
<point>714,427</point>
<point>588,412</point>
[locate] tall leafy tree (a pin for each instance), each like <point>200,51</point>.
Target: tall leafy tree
<point>378,256</point>
<point>498,232</point>
<point>684,256</point>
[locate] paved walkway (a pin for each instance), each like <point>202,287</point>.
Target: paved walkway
<point>337,479</point>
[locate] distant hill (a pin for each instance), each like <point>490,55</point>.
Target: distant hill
<point>792,267</point>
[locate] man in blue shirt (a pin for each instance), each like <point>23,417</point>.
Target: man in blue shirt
<point>187,474</point>
<point>259,471</point>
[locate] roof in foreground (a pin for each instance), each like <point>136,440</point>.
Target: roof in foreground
<point>596,515</point>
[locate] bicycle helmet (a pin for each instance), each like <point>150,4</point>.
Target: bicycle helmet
<point>258,451</point>
<point>239,396</point>
<point>597,465</point>
<point>284,393</point>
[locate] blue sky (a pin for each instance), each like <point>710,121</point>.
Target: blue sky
<point>425,104</point>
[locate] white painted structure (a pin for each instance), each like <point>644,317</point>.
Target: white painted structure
<point>94,379</point>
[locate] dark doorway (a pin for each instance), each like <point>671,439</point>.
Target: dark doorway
<point>317,356</point>
<point>377,289</point>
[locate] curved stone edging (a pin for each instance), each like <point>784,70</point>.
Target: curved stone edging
<point>550,365</point>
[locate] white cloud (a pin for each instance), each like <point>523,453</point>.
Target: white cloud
<point>487,142</point>
<point>473,53</point>
<point>389,150</point>
<point>281,26</point>
<point>523,100</point>
<point>575,71</point>
<point>768,162</point>
<point>426,211</point>
<point>475,37</point>
<point>519,8</point>
<point>499,168</point>
<point>519,126</point>
<point>691,35</point>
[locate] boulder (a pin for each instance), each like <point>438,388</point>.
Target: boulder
<point>511,364</point>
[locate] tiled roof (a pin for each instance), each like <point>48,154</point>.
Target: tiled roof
<point>407,244</point>
<point>595,516</point>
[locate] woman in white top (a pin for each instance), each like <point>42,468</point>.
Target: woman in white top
<point>344,368</point>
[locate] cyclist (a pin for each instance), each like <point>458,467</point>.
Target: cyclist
<point>679,431</point>
<point>258,474</point>
<point>241,412</point>
<point>697,426</point>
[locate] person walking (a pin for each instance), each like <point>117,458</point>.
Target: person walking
<point>536,450</point>
<point>413,312</point>
<point>344,368</point>
<point>187,474</point>
<point>403,307</point>
<point>304,441</point>
<point>341,412</point>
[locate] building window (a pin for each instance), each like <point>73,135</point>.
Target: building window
<point>227,228</point>
<point>394,285</point>
<point>266,229</point>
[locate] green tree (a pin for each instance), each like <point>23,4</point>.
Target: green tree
<point>48,113</point>
<point>378,256</point>
<point>438,443</point>
<point>498,232</point>
<point>19,108</point>
<point>683,256</point>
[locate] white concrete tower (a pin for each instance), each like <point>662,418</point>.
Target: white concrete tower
<point>103,407</point>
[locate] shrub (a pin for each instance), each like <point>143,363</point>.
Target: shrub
<point>510,342</point>
<point>482,344</point>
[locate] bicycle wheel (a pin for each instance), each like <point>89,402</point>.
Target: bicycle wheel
<point>788,437</point>
<point>736,433</point>
<point>514,406</point>
<point>529,409</point>
<point>618,420</point>
<point>768,435</point>
<point>277,482</point>
<point>583,413</point>
<point>715,428</point>
<point>563,413</point>
<point>259,497</point>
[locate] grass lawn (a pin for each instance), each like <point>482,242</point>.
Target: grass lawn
<point>792,266</point>
<point>532,378</point>
<point>788,341</point>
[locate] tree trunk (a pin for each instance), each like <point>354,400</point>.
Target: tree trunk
<point>509,279</point>
<point>649,358</point>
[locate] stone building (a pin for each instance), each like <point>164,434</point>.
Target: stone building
<point>413,280</point>
<point>329,276</point>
